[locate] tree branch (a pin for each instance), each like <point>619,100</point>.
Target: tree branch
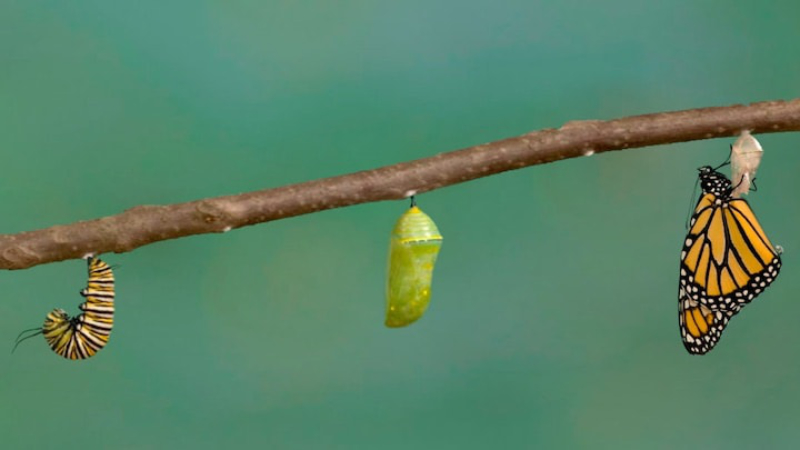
<point>144,225</point>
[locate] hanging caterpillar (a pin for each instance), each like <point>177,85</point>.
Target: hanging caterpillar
<point>82,336</point>
<point>414,246</point>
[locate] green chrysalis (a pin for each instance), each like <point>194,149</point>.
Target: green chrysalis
<point>413,249</point>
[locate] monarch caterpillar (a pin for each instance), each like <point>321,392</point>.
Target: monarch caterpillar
<point>726,262</point>
<point>413,248</point>
<point>82,336</point>
<point>746,155</point>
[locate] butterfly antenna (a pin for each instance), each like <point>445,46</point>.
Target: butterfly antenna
<point>19,339</point>
<point>727,160</point>
<point>691,203</point>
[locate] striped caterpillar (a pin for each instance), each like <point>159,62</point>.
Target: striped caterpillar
<point>82,336</point>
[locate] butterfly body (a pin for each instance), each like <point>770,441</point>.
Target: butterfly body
<point>726,262</point>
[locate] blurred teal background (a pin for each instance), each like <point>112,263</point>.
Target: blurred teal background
<point>553,320</point>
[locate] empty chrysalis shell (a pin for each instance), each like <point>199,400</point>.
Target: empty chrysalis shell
<point>413,249</point>
<point>746,155</point>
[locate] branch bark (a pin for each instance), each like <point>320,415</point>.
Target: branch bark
<point>144,225</point>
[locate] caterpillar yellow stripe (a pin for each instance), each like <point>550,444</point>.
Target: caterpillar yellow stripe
<point>414,246</point>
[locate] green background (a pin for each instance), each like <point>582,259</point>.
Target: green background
<point>553,320</point>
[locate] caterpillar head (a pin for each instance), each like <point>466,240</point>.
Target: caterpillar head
<point>55,318</point>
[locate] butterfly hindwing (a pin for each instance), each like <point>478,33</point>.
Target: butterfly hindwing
<point>701,327</point>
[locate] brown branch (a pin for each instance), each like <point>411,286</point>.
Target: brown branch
<point>144,225</point>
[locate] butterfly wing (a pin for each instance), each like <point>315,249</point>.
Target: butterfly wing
<point>727,260</point>
<point>701,327</point>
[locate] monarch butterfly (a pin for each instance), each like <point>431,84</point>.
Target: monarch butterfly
<point>726,262</point>
<point>82,336</point>
<point>413,249</point>
<point>746,155</point>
